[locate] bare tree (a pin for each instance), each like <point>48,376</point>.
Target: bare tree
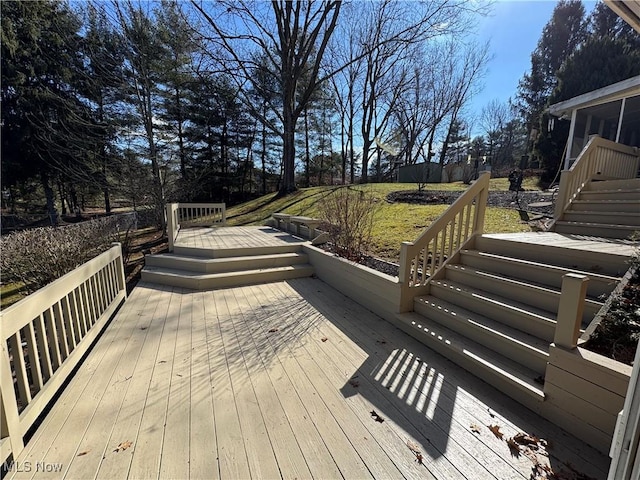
<point>294,36</point>
<point>144,55</point>
<point>393,32</point>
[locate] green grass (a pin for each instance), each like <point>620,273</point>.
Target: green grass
<point>11,293</point>
<point>394,222</point>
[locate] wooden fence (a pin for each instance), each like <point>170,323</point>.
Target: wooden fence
<point>44,337</point>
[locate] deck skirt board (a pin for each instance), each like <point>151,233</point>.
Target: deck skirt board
<point>239,383</point>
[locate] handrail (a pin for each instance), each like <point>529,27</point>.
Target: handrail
<point>44,337</point>
<point>600,157</point>
<point>192,215</point>
<point>424,258</point>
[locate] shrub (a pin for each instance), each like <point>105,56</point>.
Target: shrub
<point>38,256</point>
<point>617,334</point>
<point>349,214</point>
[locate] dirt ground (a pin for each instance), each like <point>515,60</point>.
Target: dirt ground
<point>143,242</point>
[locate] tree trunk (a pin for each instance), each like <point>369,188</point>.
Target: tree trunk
<point>289,153</point>
<point>307,154</point>
<point>48,193</point>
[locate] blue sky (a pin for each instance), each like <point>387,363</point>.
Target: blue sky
<point>513,30</point>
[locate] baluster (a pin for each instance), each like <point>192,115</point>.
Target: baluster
<point>61,330</point>
<point>34,357</point>
<point>434,256</point>
<point>20,368</point>
<point>452,226</point>
<point>72,338</point>
<point>77,312</point>
<point>91,292</point>
<point>52,338</point>
<point>43,347</point>
<point>84,307</point>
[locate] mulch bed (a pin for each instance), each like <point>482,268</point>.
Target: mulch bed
<point>496,199</point>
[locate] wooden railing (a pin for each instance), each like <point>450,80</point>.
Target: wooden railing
<point>193,215</point>
<point>599,157</point>
<point>45,335</point>
<point>422,259</point>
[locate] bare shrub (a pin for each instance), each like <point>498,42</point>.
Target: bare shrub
<point>38,256</point>
<point>349,214</point>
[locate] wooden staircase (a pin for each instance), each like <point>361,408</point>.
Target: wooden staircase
<point>493,311</point>
<point>604,208</point>
<point>204,269</point>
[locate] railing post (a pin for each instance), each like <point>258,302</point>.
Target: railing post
<point>483,196</point>
<point>122,281</point>
<point>561,199</point>
<point>406,295</point>
<point>10,421</point>
<point>572,295</point>
<point>224,214</point>
<point>170,225</point>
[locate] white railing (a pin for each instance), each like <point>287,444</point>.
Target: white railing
<point>193,215</point>
<point>45,335</point>
<point>422,259</point>
<point>599,157</point>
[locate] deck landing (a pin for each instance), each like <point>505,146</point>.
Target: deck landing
<point>280,381</point>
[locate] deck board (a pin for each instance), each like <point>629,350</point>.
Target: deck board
<point>221,238</point>
<point>203,385</point>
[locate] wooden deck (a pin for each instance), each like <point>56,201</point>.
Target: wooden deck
<point>224,238</point>
<point>577,242</point>
<point>280,381</point>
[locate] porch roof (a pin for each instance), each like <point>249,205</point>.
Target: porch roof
<point>624,89</point>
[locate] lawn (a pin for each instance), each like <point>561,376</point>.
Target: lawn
<point>394,222</point>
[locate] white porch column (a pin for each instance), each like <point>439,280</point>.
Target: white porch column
<point>572,129</point>
<point>624,101</point>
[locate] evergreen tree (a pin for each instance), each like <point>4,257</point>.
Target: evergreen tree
<point>46,127</point>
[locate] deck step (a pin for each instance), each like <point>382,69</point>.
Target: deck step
<point>616,218</point>
<point>525,318</point>
<point>503,373</point>
<point>503,339</point>
<point>226,264</point>
<point>617,194</point>
<point>575,259</point>
<point>237,252</point>
<point>626,206</point>
<point>206,281</point>
<point>620,184</point>
<point>597,229</point>
<point>526,292</point>
<point>542,273</point>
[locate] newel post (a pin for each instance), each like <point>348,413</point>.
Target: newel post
<point>481,205</point>
<point>122,280</point>
<point>561,199</point>
<point>406,295</point>
<point>573,293</point>
<point>170,225</point>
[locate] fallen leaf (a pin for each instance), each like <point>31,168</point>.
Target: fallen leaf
<point>83,453</point>
<point>513,447</point>
<point>123,446</point>
<point>273,330</point>
<point>381,342</point>
<point>354,383</point>
<point>495,429</point>
<point>419,458</point>
<point>415,449</point>
<point>324,339</point>
<point>475,428</point>
<point>376,417</point>
<point>528,440</point>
